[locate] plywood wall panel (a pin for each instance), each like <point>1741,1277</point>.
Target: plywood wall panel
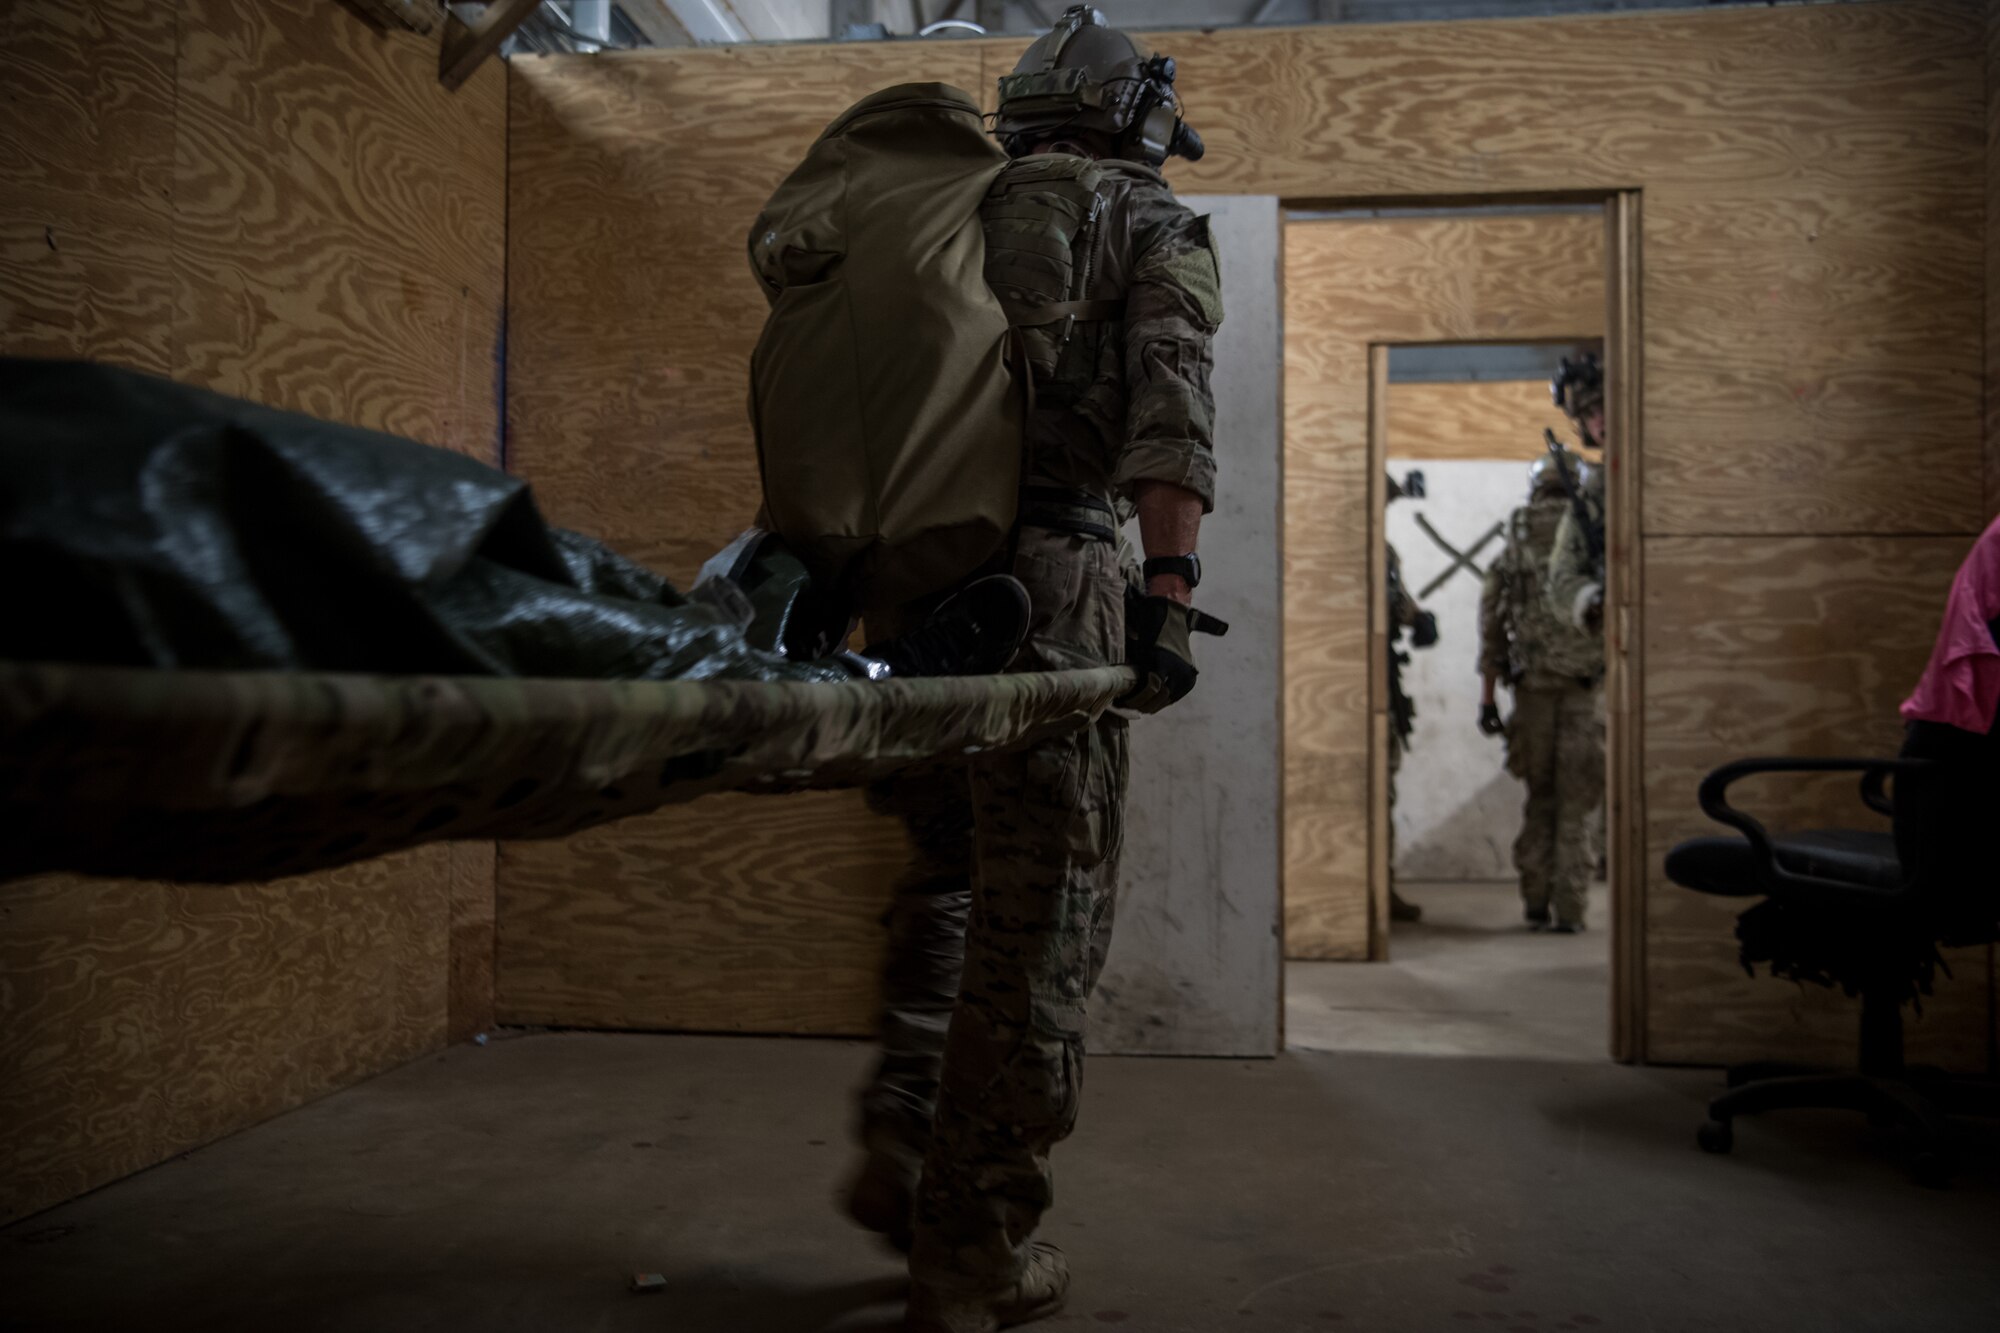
<point>1789,646</point>
<point>1757,422</point>
<point>145,1019</point>
<point>85,180</point>
<point>1350,284</point>
<point>737,914</point>
<point>1819,166</point>
<point>1473,420</point>
<point>277,201</point>
<point>338,223</point>
<point>1718,100</point>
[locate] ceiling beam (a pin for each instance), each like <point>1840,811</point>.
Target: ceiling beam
<point>467,45</point>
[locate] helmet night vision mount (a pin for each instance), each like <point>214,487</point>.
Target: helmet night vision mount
<point>1085,75</point>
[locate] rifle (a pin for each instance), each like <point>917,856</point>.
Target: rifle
<point>1593,534</point>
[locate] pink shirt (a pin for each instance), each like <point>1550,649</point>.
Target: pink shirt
<point>1961,686</point>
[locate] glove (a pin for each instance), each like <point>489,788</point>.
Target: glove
<point>1489,720</point>
<point>1157,630</point>
<point>1425,632</point>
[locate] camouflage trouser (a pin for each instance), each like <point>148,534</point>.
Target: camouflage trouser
<point>1011,895</point>
<point>1555,744</point>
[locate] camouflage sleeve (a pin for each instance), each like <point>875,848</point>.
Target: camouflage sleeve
<point>1571,587</point>
<point>1172,310</point>
<point>1494,644</point>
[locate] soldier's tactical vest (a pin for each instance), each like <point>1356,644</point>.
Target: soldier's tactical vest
<point>920,283</point>
<point>1546,650</point>
<point>1044,245</point>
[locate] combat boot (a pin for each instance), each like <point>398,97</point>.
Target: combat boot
<point>975,633</point>
<point>1038,1293</point>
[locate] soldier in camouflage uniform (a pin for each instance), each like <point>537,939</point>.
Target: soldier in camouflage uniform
<point>1574,588</point>
<point>1404,614</point>
<point>999,928</point>
<point>1555,736</point>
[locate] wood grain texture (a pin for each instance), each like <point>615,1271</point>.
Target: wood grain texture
<point>1350,285</point>
<point>86,180</point>
<point>1786,646</point>
<point>1813,192</point>
<point>274,200</point>
<point>626,410</point>
<point>735,914</point>
<point>473,873</point>
<point>145,1019</point>
<point>338,222</point>
<point>1472,421</point>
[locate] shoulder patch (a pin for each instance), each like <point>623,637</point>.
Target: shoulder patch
<point>1191,261</point>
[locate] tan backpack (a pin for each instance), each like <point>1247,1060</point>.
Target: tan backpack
<point>888,392</point>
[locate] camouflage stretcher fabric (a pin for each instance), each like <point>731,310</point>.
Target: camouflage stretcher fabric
<point>219,777</point>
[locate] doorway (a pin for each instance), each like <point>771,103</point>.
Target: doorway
<point>1419,343</point>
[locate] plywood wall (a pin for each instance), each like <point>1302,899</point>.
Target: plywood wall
<point>272,199</point>
<point>1350,285</point>
<point>1812,186</point>
<point>1475,420</point>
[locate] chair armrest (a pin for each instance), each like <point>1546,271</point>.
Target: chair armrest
<point>1714,798</point>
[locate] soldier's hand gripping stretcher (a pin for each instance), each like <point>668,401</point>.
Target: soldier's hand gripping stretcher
<point>1157,647</point>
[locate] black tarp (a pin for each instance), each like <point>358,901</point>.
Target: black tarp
<point>146,523</point>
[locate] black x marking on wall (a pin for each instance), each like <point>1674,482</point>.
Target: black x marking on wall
<point>1459,559</point>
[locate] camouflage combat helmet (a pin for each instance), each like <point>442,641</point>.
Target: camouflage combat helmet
<point>1085,75</point>
<point>1578,385</point>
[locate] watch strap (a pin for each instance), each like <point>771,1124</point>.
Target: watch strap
<point>1187,566</point>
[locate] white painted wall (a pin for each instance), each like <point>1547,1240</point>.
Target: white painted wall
<point>1457,810</point>
<point>1194,966</point>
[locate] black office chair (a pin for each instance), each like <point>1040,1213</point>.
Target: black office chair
<point>1845,891</point>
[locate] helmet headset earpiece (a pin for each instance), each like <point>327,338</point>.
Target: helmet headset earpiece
<point>1084,75</point>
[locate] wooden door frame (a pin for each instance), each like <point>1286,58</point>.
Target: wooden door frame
<point>1623,605</point>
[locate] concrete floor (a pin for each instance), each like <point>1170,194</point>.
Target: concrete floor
<point>517,1186</point>
<point>1468,980</point>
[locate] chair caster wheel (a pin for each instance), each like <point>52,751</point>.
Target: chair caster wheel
<point>1716,1136</point>
<point>1931,1169</point>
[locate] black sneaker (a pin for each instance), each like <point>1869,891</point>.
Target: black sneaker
<point>975,633</point>
<point>1566,928</point>
<point>1537,918</point>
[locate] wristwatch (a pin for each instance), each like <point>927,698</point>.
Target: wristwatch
<point>1187,566</point>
